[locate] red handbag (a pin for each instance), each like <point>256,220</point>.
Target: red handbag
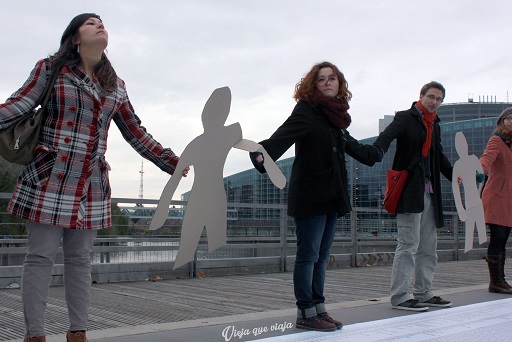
<point>394,185</point>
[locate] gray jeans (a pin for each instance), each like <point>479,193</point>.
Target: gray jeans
<point>43,244</point>
<point>415,255</point>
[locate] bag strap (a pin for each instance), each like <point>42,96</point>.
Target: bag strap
<point>45,96</point>
<point>48,89</point>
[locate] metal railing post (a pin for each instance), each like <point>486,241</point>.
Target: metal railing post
<point>456,236</point>
<point>4,258</point>
<point>353,237</point>
<point>283,234</point>
<point>192,267</point>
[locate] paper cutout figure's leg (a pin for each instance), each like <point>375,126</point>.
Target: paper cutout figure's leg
<point>475,216</point>
<point>191,230</point>
<point>217,232</point>
<point>470,231</point>
<point>480,224</point>
<point>220,237</point>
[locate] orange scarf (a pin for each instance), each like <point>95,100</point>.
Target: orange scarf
<point>428,120</point>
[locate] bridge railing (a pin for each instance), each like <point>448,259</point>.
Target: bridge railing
<point>261,239</point>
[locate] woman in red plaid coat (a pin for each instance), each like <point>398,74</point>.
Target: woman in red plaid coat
<point>64,193</point>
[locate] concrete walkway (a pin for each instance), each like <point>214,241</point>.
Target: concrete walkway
<point>237,308</point>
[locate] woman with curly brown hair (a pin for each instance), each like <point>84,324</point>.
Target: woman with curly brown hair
<point>318,190</point>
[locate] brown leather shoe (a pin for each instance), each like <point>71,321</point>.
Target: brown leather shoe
<point>314,323</point>
<point>35,339</point>
<point>78,336</point>
<point>326,317</point>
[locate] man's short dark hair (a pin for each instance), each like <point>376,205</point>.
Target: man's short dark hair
<point>433,84</point>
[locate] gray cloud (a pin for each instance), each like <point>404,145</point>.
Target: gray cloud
<point>173,54</point>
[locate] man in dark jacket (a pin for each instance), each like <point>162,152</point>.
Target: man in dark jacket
<point>419,210</point>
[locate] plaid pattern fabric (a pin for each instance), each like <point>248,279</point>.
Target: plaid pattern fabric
<point>67,183</point>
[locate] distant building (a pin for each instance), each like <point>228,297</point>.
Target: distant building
<point>383,123</point>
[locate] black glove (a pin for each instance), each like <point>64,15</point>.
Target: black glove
<point>258,165</point>
<point>479,177</point>
<point>378,153</point>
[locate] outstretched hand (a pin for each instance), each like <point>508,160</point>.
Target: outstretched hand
<point>379,153</point>
<point>185,171</point>
<point>263,162</point>
<point>256,157</point>
<point>480,177</point>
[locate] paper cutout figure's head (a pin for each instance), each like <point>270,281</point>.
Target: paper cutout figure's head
<point>216,109</point>
<point>461,144</point>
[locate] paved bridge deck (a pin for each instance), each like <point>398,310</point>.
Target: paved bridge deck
<point>190,305</point>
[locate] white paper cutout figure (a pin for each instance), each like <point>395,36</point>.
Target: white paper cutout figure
<point>207,204</point>
<point>466,168</point>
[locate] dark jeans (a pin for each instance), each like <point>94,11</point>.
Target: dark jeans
<point>315,235</point>
<point>499,237</point>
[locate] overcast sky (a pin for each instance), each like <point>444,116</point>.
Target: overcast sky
<point>173,54</point>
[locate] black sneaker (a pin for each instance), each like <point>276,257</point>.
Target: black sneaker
<point>410,305</point>
<point>437,302</point>
<point>315,323</point>
<point>326,317</point>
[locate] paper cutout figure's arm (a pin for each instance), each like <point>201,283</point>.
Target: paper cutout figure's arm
<point>480,184</point>
<point>162,210</point>
<point>456,193</point>
<point>275,175</point>
<point>481,188</point>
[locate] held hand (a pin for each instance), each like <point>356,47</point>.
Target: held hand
<point>479,177</point>
<point>459,179</point>
<point>378,153</point>
<point>257,160</point>
<point>256,157</point>
<point>185,171</point>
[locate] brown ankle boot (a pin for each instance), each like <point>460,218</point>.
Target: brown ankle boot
<point>502,269</point>
<point>35,339</point>
<point>78,336</point>
<point>497,283</point>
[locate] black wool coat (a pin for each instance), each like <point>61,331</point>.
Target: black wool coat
<point>409,131</point>
<point>318,181</point>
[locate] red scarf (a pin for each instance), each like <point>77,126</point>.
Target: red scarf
<point>333,108</point>
<point>428,120</point>
<point>506,135</point>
